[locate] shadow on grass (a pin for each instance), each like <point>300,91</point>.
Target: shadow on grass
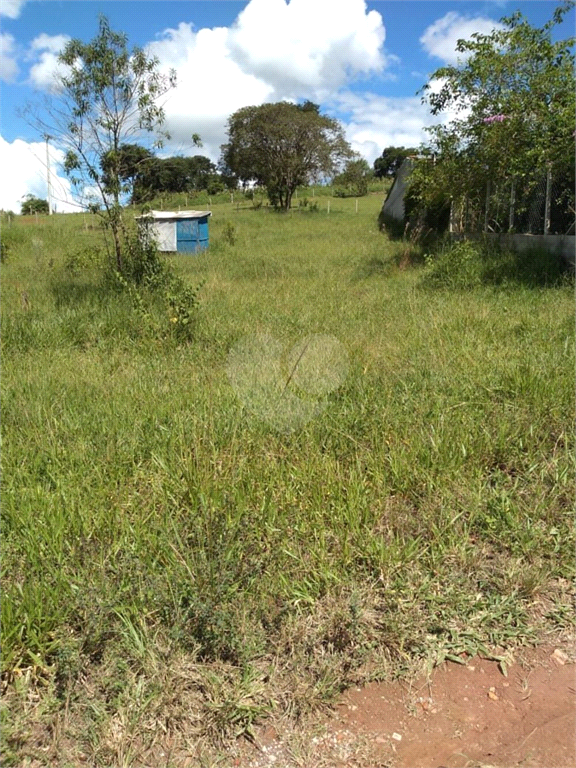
<point>73,292</point>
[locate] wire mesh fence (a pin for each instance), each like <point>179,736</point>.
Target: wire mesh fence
<point>540,204</point>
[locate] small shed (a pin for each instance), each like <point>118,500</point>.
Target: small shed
<point>182,231</point>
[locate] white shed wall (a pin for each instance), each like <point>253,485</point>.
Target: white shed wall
<point>164,232</point>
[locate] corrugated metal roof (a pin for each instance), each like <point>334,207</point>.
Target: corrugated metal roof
<point>174,215</point>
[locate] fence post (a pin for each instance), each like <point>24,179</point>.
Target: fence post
<point>328,206</point>
<point>547,205</point>
<point>487,203</point>
<point>356,205</point>
<point>512,203</point>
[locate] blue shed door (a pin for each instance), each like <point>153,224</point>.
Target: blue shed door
<point>187,234</point>
<point>203,232</point>
<point>192,234</point>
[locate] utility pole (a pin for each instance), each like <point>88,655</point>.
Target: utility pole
<point>48,176</point>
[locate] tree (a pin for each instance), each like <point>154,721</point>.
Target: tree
<point>33,204</point>
<point>173,174</point>
<point>353,181</point>
<point>282,146</point>
<point>390,161</point>
<point>514,100</point>
<point>131,163</point>
<point>107,95</point>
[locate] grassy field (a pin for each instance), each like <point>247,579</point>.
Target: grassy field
<point>176,568</point>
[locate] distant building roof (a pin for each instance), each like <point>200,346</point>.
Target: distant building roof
<point>174,215</point>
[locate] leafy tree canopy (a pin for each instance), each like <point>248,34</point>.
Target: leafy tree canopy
<point>108,95</point>
<point>282,146</point>
<point>353,181</point>
<point>390,161</point>
<point>32,204</point>
<point>514,100</point>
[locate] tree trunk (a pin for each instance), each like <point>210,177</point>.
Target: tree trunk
<point>288,199</point>
<point>117,247</point>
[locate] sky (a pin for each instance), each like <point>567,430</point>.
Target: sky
<point>363,61</point>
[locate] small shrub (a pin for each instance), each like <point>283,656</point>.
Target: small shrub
<point>183,301</point>
<point>143,264</point>
<point>229,233</point>
<point>458,266</point>
<point>470,263</point>
<point>84,258</point>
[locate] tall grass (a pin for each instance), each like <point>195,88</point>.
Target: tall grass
<point>179,561</point>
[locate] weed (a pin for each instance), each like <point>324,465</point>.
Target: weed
<point>229,233</point>
<point>175,569</point>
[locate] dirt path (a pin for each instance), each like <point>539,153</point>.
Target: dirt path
<point>464,716</point>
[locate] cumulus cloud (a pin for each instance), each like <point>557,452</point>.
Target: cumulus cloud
<point>440,38</point>
<point>45,48</point>
<point>210,85</point>
<point>373,122</point>
<point>24,163</point>
<point>8,66</point>
<point>308,46</point>
<point>11,8</point>
<point>273,51</point>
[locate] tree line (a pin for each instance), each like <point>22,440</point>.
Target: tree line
<point>146,175</point>
<point>519,82</point>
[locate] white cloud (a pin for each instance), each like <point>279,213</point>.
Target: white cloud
<point>44,74</point>
<point>24,164</point>
<point>8,66</point>
<point>375,122</point>
<point>440,38</point>
<point>11,8</point>
<point>309,46</point>
<point>273,51</point>
<point>210,85</point>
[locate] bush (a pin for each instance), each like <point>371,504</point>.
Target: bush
<point>469,263</point>
<point>84,258</point>
<point>33,205</point>
<point>459,266</point>
<point>12,238</point>
<point>229,233</point>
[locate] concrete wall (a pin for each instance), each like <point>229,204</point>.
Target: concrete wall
<point>394,203</point>
<point>563,245</point>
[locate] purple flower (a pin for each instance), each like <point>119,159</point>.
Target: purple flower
<point>495,119</point>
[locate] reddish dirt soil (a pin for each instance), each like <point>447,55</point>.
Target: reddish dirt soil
<point>473,715</point>
<point>464,716</point>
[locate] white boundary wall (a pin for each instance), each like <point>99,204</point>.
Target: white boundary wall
<point>562,245</point>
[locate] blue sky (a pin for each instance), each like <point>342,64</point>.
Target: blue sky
<point>362,61</point>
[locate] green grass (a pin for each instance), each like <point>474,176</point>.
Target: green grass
<point>173,562</point>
